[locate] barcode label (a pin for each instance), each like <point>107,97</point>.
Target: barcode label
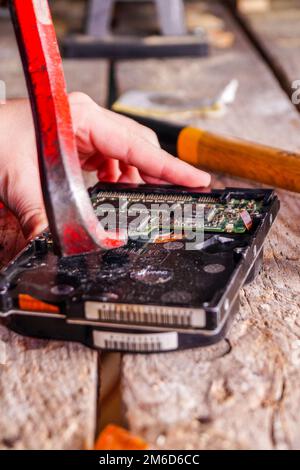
<point>145,314</point>
<point>136,343</point>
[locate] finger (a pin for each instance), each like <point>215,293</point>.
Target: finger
<point>151,180</point>
<point>82,106</point>
<point>109,171</point>
<point>26,201</point>
<point>94,163</point>
<point>139,129</point>
<point>129,174</point>
<point>115,141</point>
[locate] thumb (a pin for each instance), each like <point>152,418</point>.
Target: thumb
<point>22,194</point>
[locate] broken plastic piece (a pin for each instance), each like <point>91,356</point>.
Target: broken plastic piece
<point>246,218</point>
<point>116,438</point>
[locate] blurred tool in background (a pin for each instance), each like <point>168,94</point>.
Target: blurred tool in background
<point>99,41</point>
<point>169,105</point>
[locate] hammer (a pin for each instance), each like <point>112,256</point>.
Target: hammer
<point>210,151</point>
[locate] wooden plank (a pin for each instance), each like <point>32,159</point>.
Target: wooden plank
<point>48,390</point>
<point>277,33</point>
<point>243,392</point>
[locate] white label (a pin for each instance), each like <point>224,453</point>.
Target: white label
<point>136,343</point>
<point>145,314</point>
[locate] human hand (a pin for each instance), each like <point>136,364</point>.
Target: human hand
<point>117,148</point>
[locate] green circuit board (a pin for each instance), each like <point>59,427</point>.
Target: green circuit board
<point>236,216</point>
<point>232,216</point>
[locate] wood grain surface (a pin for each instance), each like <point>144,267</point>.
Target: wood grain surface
<point>277,33</point>
<point>244,392</point>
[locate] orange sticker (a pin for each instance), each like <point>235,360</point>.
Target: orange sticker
<point>168,238</point>
<point>30,304</point>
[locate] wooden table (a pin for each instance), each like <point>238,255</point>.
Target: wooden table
<point>242,393</point>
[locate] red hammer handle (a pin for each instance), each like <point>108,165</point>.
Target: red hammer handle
<point>73,224</point>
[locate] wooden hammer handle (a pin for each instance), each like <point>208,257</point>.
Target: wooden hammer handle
<point>206,150</point>
<point>274,167</point>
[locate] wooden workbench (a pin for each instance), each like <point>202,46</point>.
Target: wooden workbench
<point>242,393</point>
